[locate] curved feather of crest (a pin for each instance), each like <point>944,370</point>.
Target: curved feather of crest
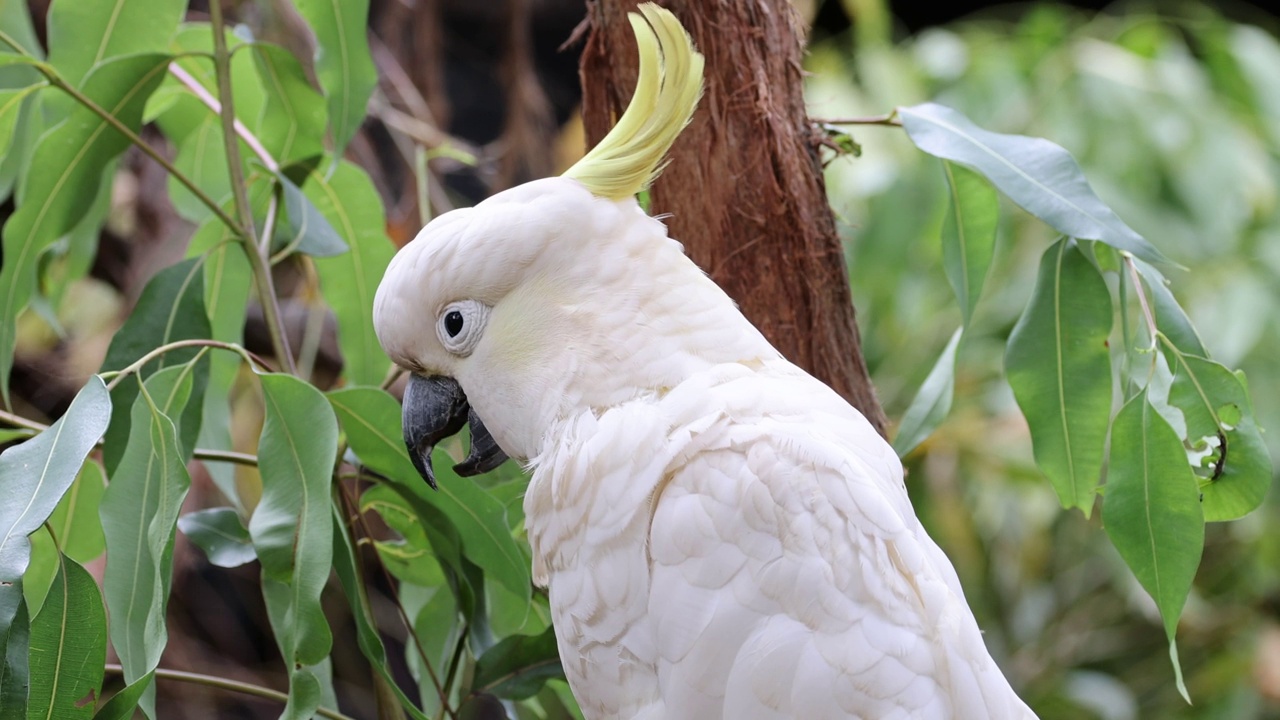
<point>631,156</point>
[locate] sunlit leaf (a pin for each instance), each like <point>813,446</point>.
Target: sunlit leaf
<point>220,534</point>
<point>51,202</point>
<point>932,402</point>
<point>171,308</point>
<point>84,33</point>
<point>68,646</point>
<point>343,64</point>
<point>1037,174</point>
<point>371,419</point>
<point>292,528</point>
<point>353,206</point>
<point>517,666</point>
<point>139,517</point>
<point>1152,509</point>
<point>1237,471</point>
<point>292,123</point>
<point>968,234</point>
<point>1060,370</point>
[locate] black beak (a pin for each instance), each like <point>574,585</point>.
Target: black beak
<point>436,408</point>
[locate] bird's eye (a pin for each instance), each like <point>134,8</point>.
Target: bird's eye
<point>453,323</point>
<point>461,324</point>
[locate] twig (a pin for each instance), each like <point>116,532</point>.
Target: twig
<point>227,456</point>
<point>212,103</point>
<point>240,194</point>
<point>179,344</point>
<point>890,119</point>
<point>227,684</point>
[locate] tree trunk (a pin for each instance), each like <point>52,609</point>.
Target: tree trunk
<point>744,187</point>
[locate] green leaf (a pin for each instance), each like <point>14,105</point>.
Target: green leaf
<point>121,705</point>
<point>26,132</point>
<point>968,234</point>
<point>517,667</point>
<point>220,534</point>
<point>346,565</point>
<point>202,158</point>
<point>139,516</point>
<point>14,642</point>
<point>292,527</point>
<point>410,558</point>
<point>15,21</point>
<point>68,646</point>
<point>933,401</point>
<point>292,124</point>
<point>343,64</point>
<point>177,108</point>
<point>1060,369</point>
<point>1257,52</point>
<point>171,308</point>
<point>50,203</point>
<point>84,33</point>
<point>1219,415</point>
<point>350,202</point>
<point>11,103</point>
<point>75,521</point>
<point>1170,317</point>
<point>371,419</point>
<point>305,228</point>
<point>37,473</point>
<point>1152,509</point>
<point>1037,174</point>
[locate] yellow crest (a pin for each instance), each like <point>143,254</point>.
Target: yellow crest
<point>630,157</point>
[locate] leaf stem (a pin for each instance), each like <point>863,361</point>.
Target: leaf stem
<point>240,195</point>
<point>890,119</point>
<point>212,103</point>
<point>227,684</point>
<point>199,342</point>
<point>1142,298</point>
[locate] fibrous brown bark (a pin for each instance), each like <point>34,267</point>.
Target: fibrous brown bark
<point>745,188</point>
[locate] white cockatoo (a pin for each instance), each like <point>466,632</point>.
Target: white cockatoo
<point>721,535</point>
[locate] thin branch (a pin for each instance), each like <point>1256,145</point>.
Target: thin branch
<point>228,684</point>
<point>891,119</point>
<point>212,103</point>
<point>226,456</point>
<point>261,269</point>
<point>179,344</point>
<point>18,421</point>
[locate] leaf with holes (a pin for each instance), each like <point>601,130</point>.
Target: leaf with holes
<point>353,206</point>
<point>139,514</point>
<point>1152,509</point>
<point>68,646</point>
<point>1039,175</point>
<point>72,156</point>
<point>1059,368</point>
<point>1221,429</point>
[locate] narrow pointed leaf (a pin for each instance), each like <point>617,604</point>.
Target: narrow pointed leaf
<point>292,123</point>
<point>51,202</point>
<point>1219,414</point>
<point>371,419</point>
<point>968,234</point>
<point>518,666</point>
<point>171,308</point>
<point>1059,367</point>
<point>14,643</point>
<point>1171,319</point>
<point>122,704</point>
<point>68,646</point>
<point>292,527</point>
<point>344,66</point>
<point>1038,175</point>
<point>84,33</point>
<point>139,516</point>
<point>75,521</point>
<point>367,637</point>
<point>933,401</point>
<point>11,102</point>
<point>353,206</point>
<point>1152,508</point>
<point>220,534</point>
<point>202,158</point>
<point>305,227</point>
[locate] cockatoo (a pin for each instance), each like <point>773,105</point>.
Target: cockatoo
<point>721,534</point>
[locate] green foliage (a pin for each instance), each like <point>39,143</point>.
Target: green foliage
<point>1123,398</point>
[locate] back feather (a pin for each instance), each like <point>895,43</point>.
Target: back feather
<point>667,91</point>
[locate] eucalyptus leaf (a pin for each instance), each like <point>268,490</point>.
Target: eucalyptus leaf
<point>74,152</point>
<point>84,33</point>
<point>220,534</point>
<point>292,123</point>
<point>15,673</point>
<point>343,64</point>
<point>139,514</point>
<point>518,666</point>
<point>1038,175</point>
<point>68,646</point>
<point>122,704</point>
<point>968,234</point>
<point>1059,367</point>
<point>305,227</point>
<point>352,205</point>
<point>932,402</point>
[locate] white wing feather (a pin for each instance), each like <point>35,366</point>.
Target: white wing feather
<point>752,555</point>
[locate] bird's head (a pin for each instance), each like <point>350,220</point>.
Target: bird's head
<point>559,294</point>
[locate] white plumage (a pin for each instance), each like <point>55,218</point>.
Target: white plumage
<point>722,535</point>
